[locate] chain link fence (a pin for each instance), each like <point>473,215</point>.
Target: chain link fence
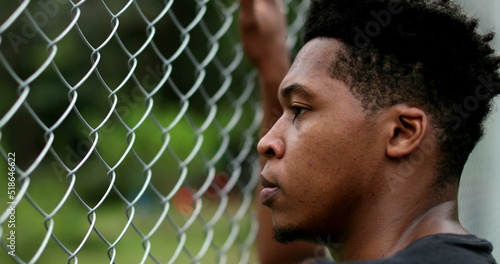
<point>128,132</point>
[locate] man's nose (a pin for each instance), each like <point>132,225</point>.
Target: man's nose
<point>272,145</point>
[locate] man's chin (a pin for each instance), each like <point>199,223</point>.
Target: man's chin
<point>287,235</point>
<point>291,234</point>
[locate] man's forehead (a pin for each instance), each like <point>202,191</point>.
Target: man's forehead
<point>316,55</point>
<point>320,48</point>
<point>311,65</point>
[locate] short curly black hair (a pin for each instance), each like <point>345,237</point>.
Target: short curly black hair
<point>426,53</point>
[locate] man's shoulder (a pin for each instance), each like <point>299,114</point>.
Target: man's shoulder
<point>446,248</point>
<point>442,249</point>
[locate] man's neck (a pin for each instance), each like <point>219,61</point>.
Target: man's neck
<point>389,233</point>
<point>441,219</point>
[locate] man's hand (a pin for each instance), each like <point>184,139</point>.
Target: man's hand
<point>263,30</point>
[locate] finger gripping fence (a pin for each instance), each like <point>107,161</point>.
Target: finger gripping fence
<point>127,131</point>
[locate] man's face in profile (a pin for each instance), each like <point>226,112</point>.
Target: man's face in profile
<point>322,153</point>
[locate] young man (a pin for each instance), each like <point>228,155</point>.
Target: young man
<point>368,133</point>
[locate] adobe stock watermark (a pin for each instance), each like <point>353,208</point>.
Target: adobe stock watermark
<point>48,9</point>
<point>11,196</point>
<point>406,169</point>
<point>381,20</point>
<point>483,91</point>
<point>456,116</point>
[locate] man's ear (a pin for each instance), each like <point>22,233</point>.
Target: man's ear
<point>408,128</point>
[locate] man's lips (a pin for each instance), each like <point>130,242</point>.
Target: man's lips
<point>270,189</point>
<point>267,194</point>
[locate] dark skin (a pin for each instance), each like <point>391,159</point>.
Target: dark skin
<point>366,181</point>
<point>262,25</point>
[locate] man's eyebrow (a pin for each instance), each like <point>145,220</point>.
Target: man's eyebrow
<point>296,88</point>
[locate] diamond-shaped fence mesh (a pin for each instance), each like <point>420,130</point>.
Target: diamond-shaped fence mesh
<point>127,133</point>
<point>128,129</point>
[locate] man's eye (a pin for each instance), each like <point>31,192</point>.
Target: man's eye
<point>298,111</point>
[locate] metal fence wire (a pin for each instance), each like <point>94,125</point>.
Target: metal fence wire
<point>128,132</point>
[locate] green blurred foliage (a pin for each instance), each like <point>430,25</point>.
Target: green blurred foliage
<point>110,135</point>
<point>143,114</point>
